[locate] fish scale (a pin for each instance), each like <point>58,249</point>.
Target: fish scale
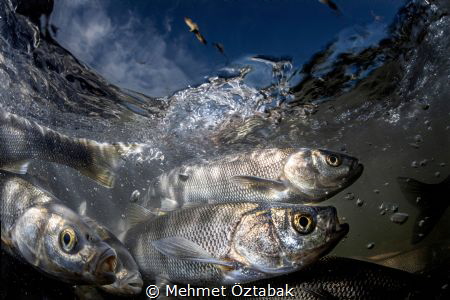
<point>40,230</point>
<point>344,278</point>
<point>196,245</point>
<point>203,226</point>
<point>263,175</point>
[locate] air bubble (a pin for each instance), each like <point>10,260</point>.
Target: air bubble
<point>349,196</point>
<point>135,196</point>
<point>437,174</point>
<point>418,138</point>
<point>442,164</point>
<point>423,163</point>
<point>359,202</point>
<point>376,191</point>
<point>370,245</point>
<point>394,208</point>
<point>414,164</point>
<point>399,218</point>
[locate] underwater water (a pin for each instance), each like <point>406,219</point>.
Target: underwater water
<point>371,81</point>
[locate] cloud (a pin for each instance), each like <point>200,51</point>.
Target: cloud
<point>132,54</point>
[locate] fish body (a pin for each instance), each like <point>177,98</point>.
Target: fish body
<point>39,229</point>
<point>345,278</point>
<point>128,278</point>
<point>423,258</point>
<point>193,27</point>
<point>430,199</point>
<point>274,175</point>
<point>330,4</point>
<point>22,141</point>
<point>217,244</point>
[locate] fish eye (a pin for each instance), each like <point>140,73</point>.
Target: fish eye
<point>303,223</point>
<point>68,239</point>
<point>333,160</point>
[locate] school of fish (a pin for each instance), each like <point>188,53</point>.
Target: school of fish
<point>239,218</point>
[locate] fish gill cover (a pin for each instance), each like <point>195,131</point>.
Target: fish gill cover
<point>379,92</point>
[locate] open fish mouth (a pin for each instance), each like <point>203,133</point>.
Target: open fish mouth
<point>335,228</point>
<point>106,266</point>
<point>356,171</point>
<point>340,230</point>
<point>134,284</point>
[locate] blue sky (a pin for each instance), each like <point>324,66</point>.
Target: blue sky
<point>146,46</point>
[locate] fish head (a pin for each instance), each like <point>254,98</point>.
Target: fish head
<point>285,238</point>
<point>55,240</point>
<point>128,278</point>
<point>320,174</point>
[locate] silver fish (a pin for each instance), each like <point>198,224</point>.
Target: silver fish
<point>22,141</point>
<point>38,229</point>
<point>342,278</point>
<point>218,244</point>
<point>274,175</point>
<point>128,278</point>
<point>420,259</point>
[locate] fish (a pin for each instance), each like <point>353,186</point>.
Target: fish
<point>216,244</point>
<point>40,230</point>
<point>193,27</point>
<point>342,278</point>
<point>330,4</point>
<point>22,141</point>
<point>289,175</point>
<point>431,199</point>
<point>420,259</point>
<point>128,278</point>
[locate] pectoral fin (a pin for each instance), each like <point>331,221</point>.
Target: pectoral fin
<point>260,183</point>
<point>181,248</point>
<point>18,167</point>
<point>138,214</point>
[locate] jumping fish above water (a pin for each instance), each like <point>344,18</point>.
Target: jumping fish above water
<point>22,141</point>
<point>274,175</point>
<point>128,278</point>
<point>432,201</point>
<point>331,5</point>
<point>193,27</point>
<point>38,229</point>
<point>218,244</point>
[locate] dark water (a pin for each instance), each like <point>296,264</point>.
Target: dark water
<point>372,81</point>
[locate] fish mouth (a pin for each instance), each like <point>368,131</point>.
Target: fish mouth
<point>340,230</point>
<point>127,286</point>
<point>336,230</point>
<point>356,171</point>
<point>105,267</point>
<point>134,284</point>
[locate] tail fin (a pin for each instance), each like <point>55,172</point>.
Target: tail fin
<point>102,163</point>
<point>104,160</point>
<point>430,199</point>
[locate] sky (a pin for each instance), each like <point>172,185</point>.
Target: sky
<point>145,45</point>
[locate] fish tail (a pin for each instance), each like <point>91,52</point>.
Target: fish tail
<point>430,199</point>
<point>100,163</point>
